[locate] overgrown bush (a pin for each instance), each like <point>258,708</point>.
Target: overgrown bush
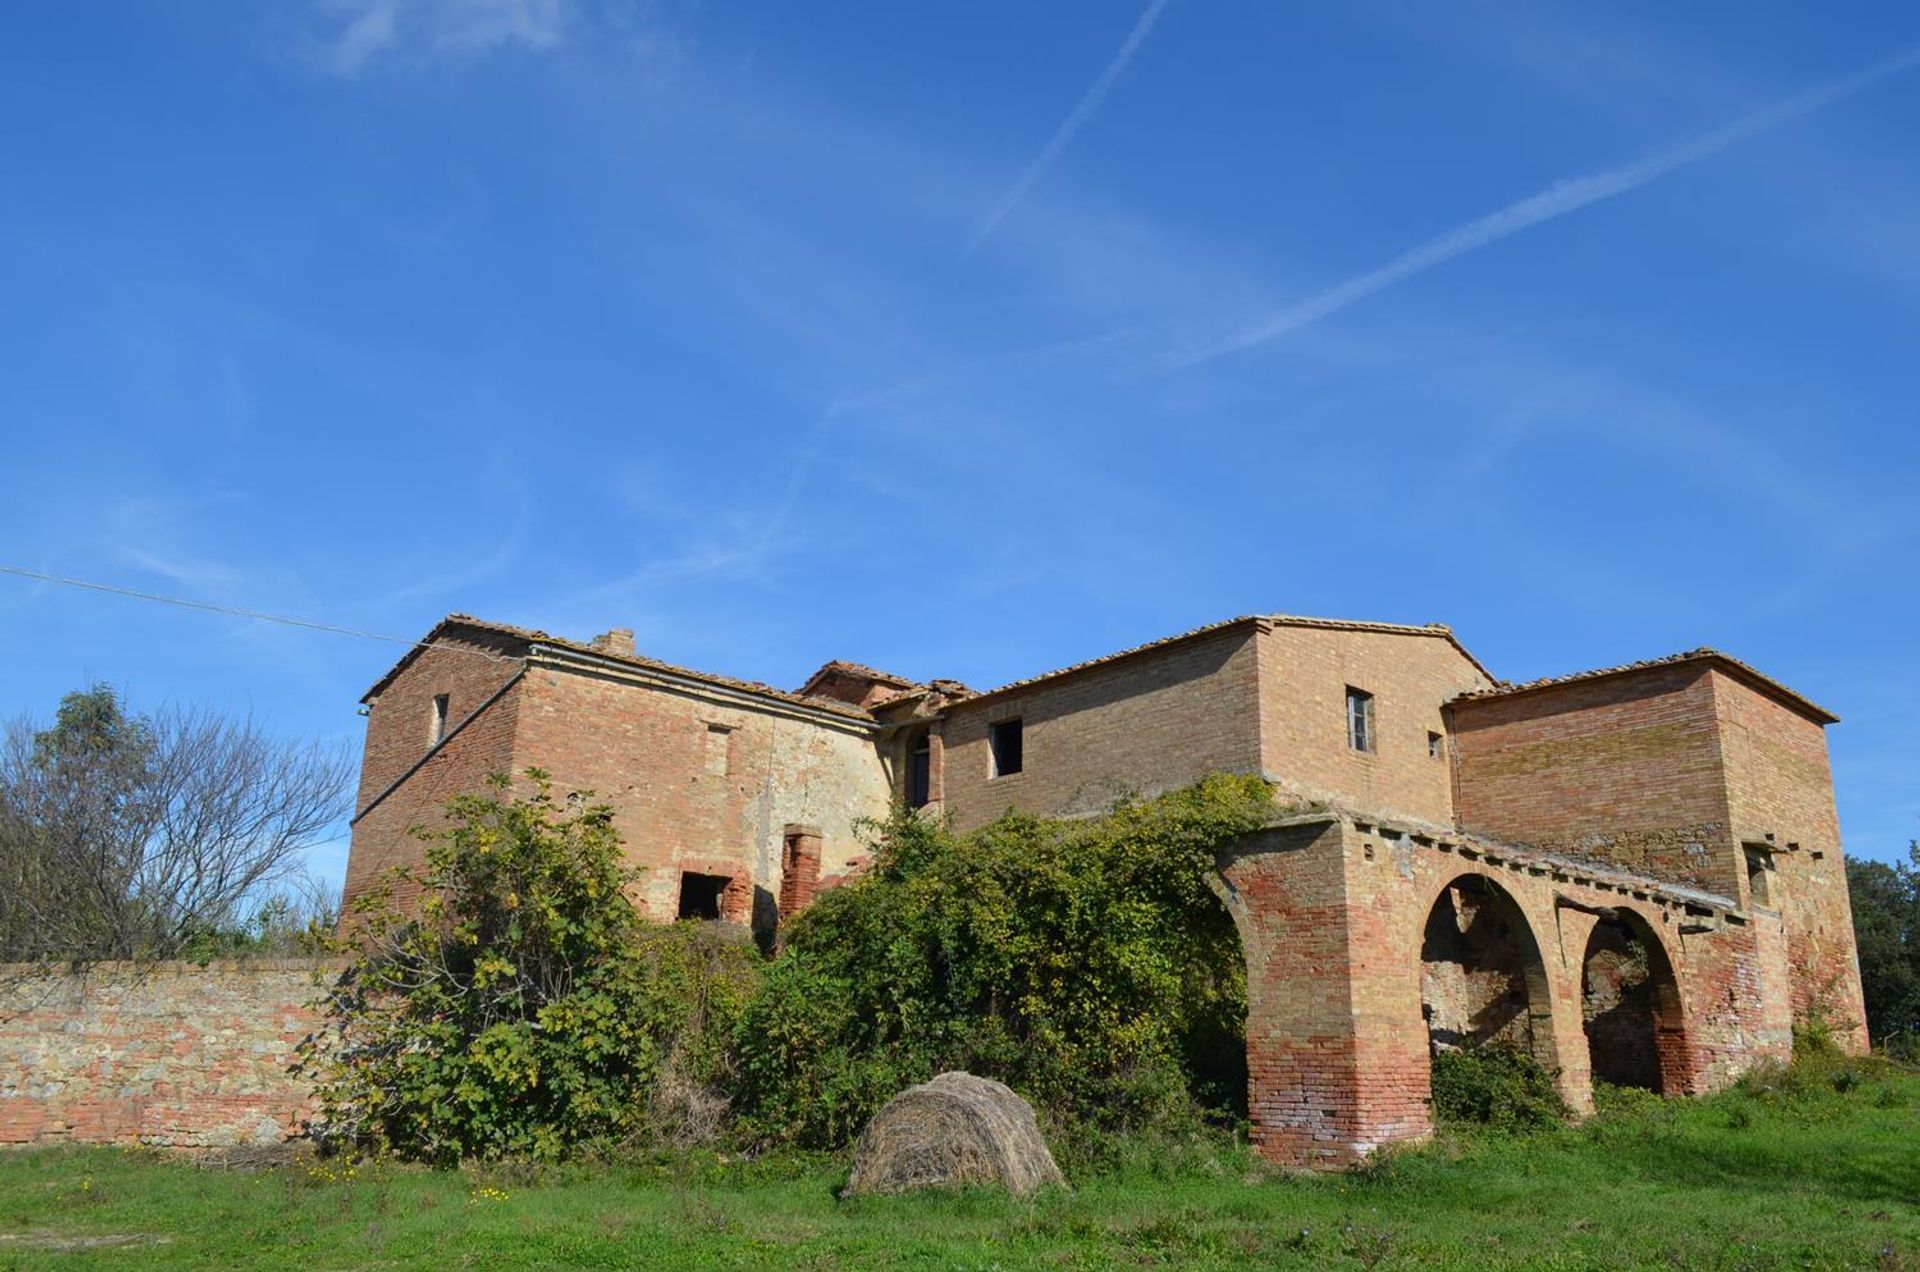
<point>1085,963</point>
<point>524,1008</point>
<point>1495,1086</point>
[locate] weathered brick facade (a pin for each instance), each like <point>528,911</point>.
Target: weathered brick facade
<point>175,1055</point>
<point>711,779</point>
<point>1635,872</point>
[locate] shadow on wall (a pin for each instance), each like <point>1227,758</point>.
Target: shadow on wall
<point>766,919</point>
<point>1629,1005</point>
<point>1480,971</point>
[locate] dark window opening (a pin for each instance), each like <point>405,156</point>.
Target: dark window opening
<point>1359,719</point>
<point>700,895</point>
<point>438,733</point>
<point>1008,746</point>
<point>1436,745</point>
<point>920,770</point>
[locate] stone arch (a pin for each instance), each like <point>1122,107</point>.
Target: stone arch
<point>1482,977</point>
<point>1630,1006</point>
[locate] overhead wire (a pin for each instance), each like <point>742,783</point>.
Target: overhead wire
<point>234,611</point>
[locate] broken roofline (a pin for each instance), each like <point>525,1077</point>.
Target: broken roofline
<point>859,671</point>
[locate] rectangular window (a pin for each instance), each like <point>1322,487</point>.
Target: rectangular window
<point>920,770</point>
<point>1763,881</point>
<point>1436,745</point>
<point>1008,746</point>
<point>437,731</point>
<point>1359,719</point>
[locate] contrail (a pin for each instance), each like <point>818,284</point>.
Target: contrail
<point>1556,200</point>
<point>1063,135</point>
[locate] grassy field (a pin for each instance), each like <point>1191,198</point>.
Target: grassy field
<point>1822,1170</point>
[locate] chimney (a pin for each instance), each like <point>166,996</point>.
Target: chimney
<point>618,642</point>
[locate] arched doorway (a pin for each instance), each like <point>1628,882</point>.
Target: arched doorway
<point>1482,981</point>
<point>1630,1006</point>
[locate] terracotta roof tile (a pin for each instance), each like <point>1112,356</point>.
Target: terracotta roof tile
<point>863,671</point>
<point>1740,671</point>
<point>1278,620</point>
<point>533,636</point>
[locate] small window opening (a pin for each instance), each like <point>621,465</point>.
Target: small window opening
<point>700,895</point>
<point>1359,719</point>
<point>719,746</point>
<point>437,733</point>
<point>1436,745</point>
<point>920,770</point>
<point>1008,745</point>
<point>1763,882</point>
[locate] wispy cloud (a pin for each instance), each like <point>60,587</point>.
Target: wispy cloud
<point>1063,136</point>
<point>376,28</point>
<point>1556,200</point>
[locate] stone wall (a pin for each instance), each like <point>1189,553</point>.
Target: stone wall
<point>177,1055</point>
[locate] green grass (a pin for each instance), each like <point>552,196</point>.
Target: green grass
<point>1811,1170</point>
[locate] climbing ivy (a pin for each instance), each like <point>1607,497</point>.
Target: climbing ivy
<point>1086,962</point>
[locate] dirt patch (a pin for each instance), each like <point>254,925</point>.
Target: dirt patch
<point>68,1243</point>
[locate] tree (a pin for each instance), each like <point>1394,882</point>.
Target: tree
<point>1886,929</point>
<point>129,836</point>
<point>522,1007</point>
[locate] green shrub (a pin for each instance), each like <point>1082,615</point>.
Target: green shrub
<point>524,1009</point>
<point>1495,1086</point>
<point>1086,963</point>
<point>1902,1048</point>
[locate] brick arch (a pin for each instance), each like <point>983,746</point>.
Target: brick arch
<point>1634,1020</point>
<point>1483,971</point>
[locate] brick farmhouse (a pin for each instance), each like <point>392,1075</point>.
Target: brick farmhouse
<point>1635,873</point>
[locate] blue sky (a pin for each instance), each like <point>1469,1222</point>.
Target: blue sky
<point>966,340</point>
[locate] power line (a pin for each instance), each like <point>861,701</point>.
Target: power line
<point>236,612</point>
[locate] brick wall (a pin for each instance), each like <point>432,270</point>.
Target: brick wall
<point>1332,915</point>
<point>478,676</point>
<point>702,782</point>
<point>1153,722</point>
<point>1304,675</point>
<point>1286,890</point>
<point>1780,792</point>
<point>1625,768</point>
<point>176,1054</point>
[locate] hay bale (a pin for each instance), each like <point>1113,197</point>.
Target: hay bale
<point>954,1130</point>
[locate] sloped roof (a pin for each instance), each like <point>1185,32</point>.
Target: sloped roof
<point>861,671</point>
<point>531,636</point>
<point>1439,630</point>
<point>1726,662</point>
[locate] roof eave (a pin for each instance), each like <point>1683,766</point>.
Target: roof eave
<point>1750,676</point>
